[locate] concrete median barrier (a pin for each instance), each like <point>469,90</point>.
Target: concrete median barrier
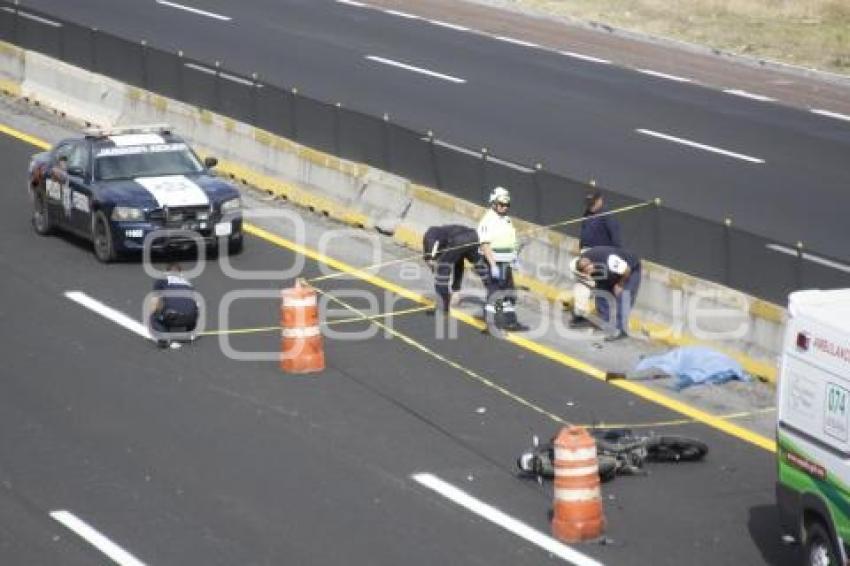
<point>669,305</point>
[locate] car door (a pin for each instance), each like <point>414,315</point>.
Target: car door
<point>79,181</point>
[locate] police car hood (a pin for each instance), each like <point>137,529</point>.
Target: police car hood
<point>168,190</point>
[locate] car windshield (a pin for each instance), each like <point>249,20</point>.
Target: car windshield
<point>129,162</point>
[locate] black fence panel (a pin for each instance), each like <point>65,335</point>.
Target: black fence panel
<point>460,174</point>
<point>361,138</point>
<point>8,23</point>
<point>163,73</point>
<point>78,45</point>
<point>199,88</point>
<point>756,269</point>
<point>638,226</point>
<point>314,123</point>
<point>824,273</point>
<point>236,97</point>
<point>694,245</point>
<point>410,154</point>
<point>520,182</point>
<point>120,59</point>
<point>39,33</point>
<point>274,110</point>
<point>559,199</point>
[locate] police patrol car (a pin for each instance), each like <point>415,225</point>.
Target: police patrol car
<point>121,186</point>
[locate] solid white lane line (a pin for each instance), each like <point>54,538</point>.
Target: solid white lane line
<point>448,25</point>
<point>194,10</point>
<point>505,521</point>
<point>516,41</point>
<point>830,114</point>
<point>106,311</point>
<point>697,145</point>
<point>96,539</point>
<point>664,76</point>
<point>34,18</point>
<point>750,95</point>
<point>351,3</point>
<point>584,57</point>
<point>419,70</point>
<point>810,257</point>
<point>401,14</point>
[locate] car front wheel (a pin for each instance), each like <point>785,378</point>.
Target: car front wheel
<point>819,548</point>
<point>104,247</point>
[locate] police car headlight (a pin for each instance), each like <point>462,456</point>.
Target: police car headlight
<point>127,213</point>
<point>231,205</point>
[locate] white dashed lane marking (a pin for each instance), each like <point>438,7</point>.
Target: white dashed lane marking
<point>192,10</point>
<point>106,311</point>
<point>659,75</point>
<point>750,95</point>
<point>412,68</point>
<point>96,539</point>
<point>697,145</point>
<point>500,518</point>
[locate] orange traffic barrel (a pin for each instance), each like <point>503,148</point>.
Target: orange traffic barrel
<point>577,514</point>
<point>301,346</point>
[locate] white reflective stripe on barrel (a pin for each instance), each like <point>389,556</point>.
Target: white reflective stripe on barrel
<point>574,454</point>
<point>299,301</point>
<point>574,472</point>
<point>583,494</point>
<point>300,332</point>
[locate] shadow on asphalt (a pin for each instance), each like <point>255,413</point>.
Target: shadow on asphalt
<point>763,525</point>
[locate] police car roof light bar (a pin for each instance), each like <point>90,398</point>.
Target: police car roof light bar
<point>98,132</point>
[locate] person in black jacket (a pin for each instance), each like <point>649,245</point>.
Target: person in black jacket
<point>616,272</point>
<point>595,231</point>
<point>445,249</point>
<point>175,309</point>
<point>598,230</point>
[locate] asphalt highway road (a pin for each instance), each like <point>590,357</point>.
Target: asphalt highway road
<point>777,171</point>
<point>189,457</point>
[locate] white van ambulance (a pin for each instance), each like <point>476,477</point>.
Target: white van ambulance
<point>813,427</point>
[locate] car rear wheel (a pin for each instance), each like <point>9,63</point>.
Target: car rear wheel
<point>41,221</point>
<point>104,248</point>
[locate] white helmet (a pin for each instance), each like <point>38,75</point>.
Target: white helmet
<point>500,195</point>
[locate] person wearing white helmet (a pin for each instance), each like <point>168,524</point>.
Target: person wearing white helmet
<point>499,247</point>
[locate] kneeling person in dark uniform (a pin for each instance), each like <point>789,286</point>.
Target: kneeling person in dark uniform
<point>617,272</point>
<point>175,310</point>
<point>445,248</point>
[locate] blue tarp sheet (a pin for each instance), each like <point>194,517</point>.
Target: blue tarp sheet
<point>693,365</point>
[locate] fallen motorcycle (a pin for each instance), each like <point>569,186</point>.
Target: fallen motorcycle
<point>619,452</point>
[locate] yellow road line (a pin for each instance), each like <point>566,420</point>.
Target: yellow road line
<point>32,140</point>
<point>641,391</point>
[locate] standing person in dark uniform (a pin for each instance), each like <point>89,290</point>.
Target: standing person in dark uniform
<point>175,309</point>
<point>445,249</point>
<point>617,272</point>
<point>598,230</point>
<point>595,231</point>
